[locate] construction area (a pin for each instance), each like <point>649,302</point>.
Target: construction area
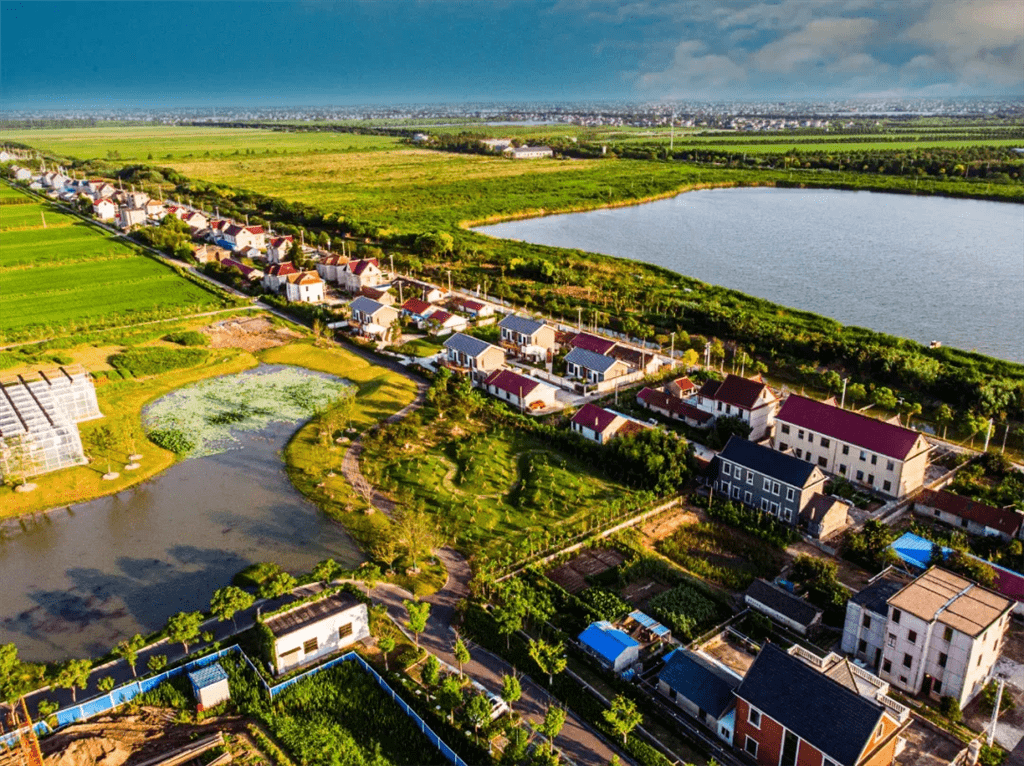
<point>250,334</point>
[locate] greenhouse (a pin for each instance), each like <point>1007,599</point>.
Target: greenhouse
<point>39,416</point>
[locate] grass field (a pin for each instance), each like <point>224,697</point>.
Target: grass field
<point>136,144</point>
<point>71,276</point>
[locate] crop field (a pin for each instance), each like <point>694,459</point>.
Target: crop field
<point>136,144</point>
<point>65,278</point>
<point>31,216</point>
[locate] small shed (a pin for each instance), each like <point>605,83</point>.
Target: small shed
<point>210,686</point>
<point>782,606</point>
<point>611,646</point>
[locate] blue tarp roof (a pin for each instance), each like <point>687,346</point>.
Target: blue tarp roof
<point>650,623</point>
<point>208,676</point>
<point>915,550</point>
<point>607,641</point>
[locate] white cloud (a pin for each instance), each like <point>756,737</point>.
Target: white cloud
<point>694,73</point>
<point>820,41</point>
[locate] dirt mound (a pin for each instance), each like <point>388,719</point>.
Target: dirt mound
<point>95,751</point>
<point>249,334</point>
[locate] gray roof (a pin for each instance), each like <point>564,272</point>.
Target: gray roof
<point>590,360</point>
<point>467,344</point>
<point>875,597</point>
<point>366,305</point>
<point>708,687</point>
<point>831,717</point>
<point>782,601</point>
<point>308,614</point>
<point>523,325</point>
<point>778,465</point>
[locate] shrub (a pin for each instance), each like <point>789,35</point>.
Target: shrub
<point>153,361</point>
<point>188,338</point>
<point>754,522</point>
<point>988,699</point>
<point>949,708</point>
<point>172,439</point>
<point>606,603</point>
<point>685,610</point>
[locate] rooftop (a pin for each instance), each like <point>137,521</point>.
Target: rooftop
<point>415,306</point>
<point>511,382</point>
<point>1006,520</point>
<point>207,676</point>
<point>366,305</point>
<point>311,612</point>
<point>592,343</point>
<point>706,684</point>
<point>589,360</point>
<point>782,601</point>
<point>852,427</point>
<point>521,325</point>
<point>593,417</point>
<point>875,597</point>
<point>467,344</point>
<point>741,392</point>
<point>778,465</point>
<point>662,401</point>
<point>608,641</point>
<point>939,595</point>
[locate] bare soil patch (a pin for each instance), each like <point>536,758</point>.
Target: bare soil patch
<point>928,747</point>
<point>665,524</point>
<point>729,652</point>
<point>572,574</point>
<point>250,334</point>
<point>849,574</point>
<point>641,591</point>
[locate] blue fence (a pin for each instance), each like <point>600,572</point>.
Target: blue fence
<point>128,692</point>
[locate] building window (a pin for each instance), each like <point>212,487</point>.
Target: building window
<point>889,466</point>
<point>800,434</point>
<point>727,469</point>
<point>874,460</point>
<point>907,660</point>
<point>979,659</point>
<point>942,660</point>
<point>892,639</point>
<point>825,442</point>
<point>937,687</point>
<point>345,630</point>
<point>736,493</point>
<point>783,446</point>
<point>822,461</point>
<point>750,477</point>
<point>799,452</point>
<point>764,504</point>
<point>846,449</point>
<point>862,646</point>
<point>860,476</point>
<point>896,616</point>
<point>310,646</point>
<point>751,746</point>
<point>863,455</point>
<point>767,485</point>
<point>912,636</point>
<point>775,488</point>
<point>867,622</point>
<point>785,428</point>
<point>842,469</point>
<point>788,515</point>
<point>790,493</point>
<point>754,717</point>
<point>810,438</point>
<point>886,666</point>
<point>947,634</point>
<point>887,486</point>
<point>938,512</point>
<point>871,479</point>
<point>747,497</point>
<point>963,522</point>
<point>774,508</point>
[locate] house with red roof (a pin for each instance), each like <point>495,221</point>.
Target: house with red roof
<point>441,322</point>
<point>246,271</point>
<point>520,391</point>
<point>330,268</point>
<point>355,275</point>
<point>600,425</point>
<point>304,287</point>
<point>592,343</point>
<point>415,309</point>
<point>673,407</point>
<point>885,457</point>
<point>681,388</point>
<point>749,399</point>
<point>277,274</point>
<point>473,309</point>
<point>195,220</point>
<point>240,237</point>
<point>278,249</point>
<point>104,209</point>
<point>969,515</point>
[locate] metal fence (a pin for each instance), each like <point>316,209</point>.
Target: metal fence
<point>128,692</point>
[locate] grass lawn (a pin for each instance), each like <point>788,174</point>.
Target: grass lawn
<point>721,554</point>
<point>32,215</point>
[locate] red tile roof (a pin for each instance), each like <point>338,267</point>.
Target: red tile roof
<point>734,390</point>
<point>510,382</point>
<point>254,229</point>
<point>593,417</point>
<point>241,267</point>
<point>440,316</point>
<point>592,343</point>
<point>282,269</point>
<point>659,400</point>
<point>1006,520</point>
<point>685,385</point>
<point>233,229</point>
<point>415,306</point>
<point>845,425</point>
<point>277,242</point>
<point>358,267</point>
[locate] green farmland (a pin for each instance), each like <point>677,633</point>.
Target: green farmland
<point>70,276</point>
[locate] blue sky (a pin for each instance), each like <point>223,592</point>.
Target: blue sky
<point>156,54</point>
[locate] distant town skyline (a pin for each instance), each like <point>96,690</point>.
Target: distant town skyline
<point>109,55</point>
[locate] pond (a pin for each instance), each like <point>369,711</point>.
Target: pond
<point>926,268</point>
<point>83,579</point>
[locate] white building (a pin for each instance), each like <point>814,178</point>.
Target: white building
<point>304,287</point>
<point>943,635</point>
<point>104,209</point>
<point>209,686</point>
<point>527,152</point>
<point>315,629</point>
<point>750,400</point>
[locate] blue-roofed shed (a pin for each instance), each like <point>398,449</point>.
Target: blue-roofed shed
<point>613,647</point>
<point>702,688</point>
<point>915,550</point>
<point>652,626</point>
<point>209,685</point>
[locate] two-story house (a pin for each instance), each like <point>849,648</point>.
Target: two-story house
<point>241,237</point>
<point>370,317</point>
<point>476,357</point>
<point>792,713</point>
<point>888,458</point>
<point>750,400</point>
<point>277,274</point>
<point>762,478</point>
<point>521,334</point>
<point>331,267</point>
<point>943,635</point>
<point>355,275</point>
<point>304,287</point>
<point>104,209</point>
<point>279,249</point>
<point>593,368</point>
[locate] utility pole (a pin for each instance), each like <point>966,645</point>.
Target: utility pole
<point>707,354</point>
<point>392,257</point>
<point>672,350</point>
<point>842,404</point>
<point>995,713</point>
<point>988,434</point>
<point>579,319</point>
<point>449,281</point>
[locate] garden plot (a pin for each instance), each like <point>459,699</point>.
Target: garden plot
<point>722,555</point>
<point>572,575</point>
<point>203,419</point>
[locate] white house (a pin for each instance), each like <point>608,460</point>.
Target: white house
<point>131,216</point>
<point>355,275</point>
<point>370,317</point>
<point>528,152</point>
<point>104,209</point>
<point>304,287</point>
<point>330,268</point>
<point>750,400</point>
<point>441,322</point>
<point>209,685</point>
<point>155,210</point>
<point>519,390</point>
<point>277,275</point>
<point>278,250</point>
<point>244,236</point>
<point>315,629</point>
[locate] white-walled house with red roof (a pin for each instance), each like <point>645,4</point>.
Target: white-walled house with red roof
<point>278,249</point>
<point>887,458</point>
<point>104,209</point>
<point>355,275</point>
<point>750,400</point>
<point>245,236</point>
<point>520,391</point>
<point>277,274</point>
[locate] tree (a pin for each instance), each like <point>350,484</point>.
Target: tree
<point>106,439</point>
<point>16,677</point>
<point>371,575</point>
<point>156,663</point>
<point>509,618</point>
<point>128,650</point>
<point>516,746</point>
<point>431,673</point>
<point>384,547</point>
<point>386,644</point>
<point>944,417</point>
<point>884,398</point>
<point>449,696</point>
<point>478,711</point>
<point>623,716</point>
<point>326,570</point>
<point>462,655</point>
<point>184,627</point>
<point>856,392</point>
<point>434,243</point>
<point>418,534</point>
<point>951,709</point>
<point>690,358</point>
<point>228,601</point>
<point>105,684</point>
<point>511,691</point>
<point>418,613</point>
<point>277,585</point>
<point>73,675</point>
<point>550,658</point>
<point>554,720</point>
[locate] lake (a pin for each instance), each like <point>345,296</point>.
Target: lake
<point>79,581</point>
<point>926,268</point>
